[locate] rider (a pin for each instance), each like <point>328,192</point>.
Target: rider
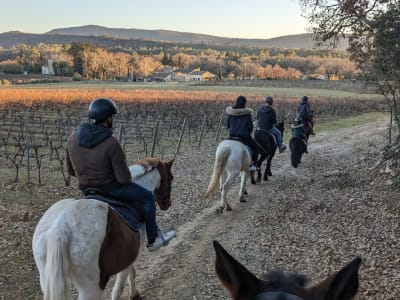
<point>266,120</point>
<point>96,158</point>
<point>305,112</point>
<point>240,126</point>
<point>298,130</point>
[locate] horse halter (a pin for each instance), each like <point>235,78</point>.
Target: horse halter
<point>277,296</point>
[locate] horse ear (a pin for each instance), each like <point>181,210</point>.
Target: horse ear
<point>241,283</point>
<point>343,285</point>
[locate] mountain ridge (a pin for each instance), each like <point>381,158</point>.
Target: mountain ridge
<point>98,34</point>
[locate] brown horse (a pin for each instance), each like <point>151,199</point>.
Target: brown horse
<point>244,285</point>
<point>85,242</point>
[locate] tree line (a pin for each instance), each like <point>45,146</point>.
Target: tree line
<point>89,61</point>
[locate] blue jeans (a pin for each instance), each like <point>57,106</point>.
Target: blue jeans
<point>278,136</point>
<point>133,192</point>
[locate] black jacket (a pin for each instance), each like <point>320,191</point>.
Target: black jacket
<point>304,110</point>
<point>239,121</point>
<point>266,117</point>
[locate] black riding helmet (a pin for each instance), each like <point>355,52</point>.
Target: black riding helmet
<point>102,108</point>
<point>269,100</point>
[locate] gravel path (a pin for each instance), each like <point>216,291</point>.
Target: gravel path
<point>310,220</point>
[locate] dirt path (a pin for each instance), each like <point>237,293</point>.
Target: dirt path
<point>311,220</point>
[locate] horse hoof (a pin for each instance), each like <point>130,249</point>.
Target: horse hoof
<point>269,173</point>
<point>242,199</point>
<point>220,210</point>
<point>228,208</point>
<point>245,193</point>
<point>253,181</point>
<point>137,297</point>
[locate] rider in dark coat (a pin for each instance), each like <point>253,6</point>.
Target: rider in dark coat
<point>266,120</point>
<point>96,158</point>
<point>305,112</point>
<point>240,126</point>
<point>299,131</point>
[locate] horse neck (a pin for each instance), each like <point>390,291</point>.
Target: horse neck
<point>148,178</point>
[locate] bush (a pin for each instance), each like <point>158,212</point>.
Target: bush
<point>5,82</point>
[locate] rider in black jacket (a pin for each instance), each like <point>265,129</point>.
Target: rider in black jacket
<point>266,120</point>
<point>305,112</point>
<point>240,126</point>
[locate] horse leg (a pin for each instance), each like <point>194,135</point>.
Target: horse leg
<point>119,284</point>
<point>133,292</point>
<point>253,181</point>
<point>267,171</point>
<point>225,187</point>
<point>258,165</point>
<point>242,189</point>
<point>88,288</point>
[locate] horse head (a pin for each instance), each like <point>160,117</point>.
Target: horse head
<point>244,285</point>
<point>162,186</point>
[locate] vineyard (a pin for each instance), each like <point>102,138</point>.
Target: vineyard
<point>35,123</point>
<point>326,223</point>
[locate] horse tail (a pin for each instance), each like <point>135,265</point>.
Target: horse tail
<point>56,269</point>
<point>219,165</point>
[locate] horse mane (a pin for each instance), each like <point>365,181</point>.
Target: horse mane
<point>152,161</point>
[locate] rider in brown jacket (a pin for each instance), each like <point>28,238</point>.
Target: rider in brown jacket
<point>96,158</point>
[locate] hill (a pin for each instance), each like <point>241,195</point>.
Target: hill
<point>133,37</point>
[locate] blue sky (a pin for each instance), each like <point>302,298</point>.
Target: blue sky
<point>233,18</point>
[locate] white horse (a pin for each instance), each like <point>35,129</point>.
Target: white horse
<point>231,159</point>
<point>85,242</point>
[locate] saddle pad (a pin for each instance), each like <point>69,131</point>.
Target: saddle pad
<point>129,215</point>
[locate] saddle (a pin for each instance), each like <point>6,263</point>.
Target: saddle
<point>127,212</point>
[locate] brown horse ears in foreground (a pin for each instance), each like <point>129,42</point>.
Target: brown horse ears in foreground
<point>244,285</point>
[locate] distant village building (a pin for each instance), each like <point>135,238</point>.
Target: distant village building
<point>48,69</point>
<point>181,74</point>
<point>168,73</point>
<point>201,75</point>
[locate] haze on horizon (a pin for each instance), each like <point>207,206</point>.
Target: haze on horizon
<point>258,19</point>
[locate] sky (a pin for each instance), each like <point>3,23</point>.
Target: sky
<point>230,18</point>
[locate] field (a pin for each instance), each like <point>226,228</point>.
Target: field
<point>40,119</point>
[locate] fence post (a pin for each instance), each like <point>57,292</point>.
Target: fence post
<point>28,167</point>
<point>180,138</point>
<point>202,128</point>
<point>120,133</point>
<point>153,146</point>
<point>219,126</point>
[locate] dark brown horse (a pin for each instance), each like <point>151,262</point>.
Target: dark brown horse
<point>298,145</point>
<point>244,285</point>
<point>267,146</point>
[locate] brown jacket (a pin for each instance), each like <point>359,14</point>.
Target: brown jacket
<point>95,163</point>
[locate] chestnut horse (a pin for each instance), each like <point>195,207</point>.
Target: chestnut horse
<point>85,242</point>
<point>244,285</point>
<point>231,159</point>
